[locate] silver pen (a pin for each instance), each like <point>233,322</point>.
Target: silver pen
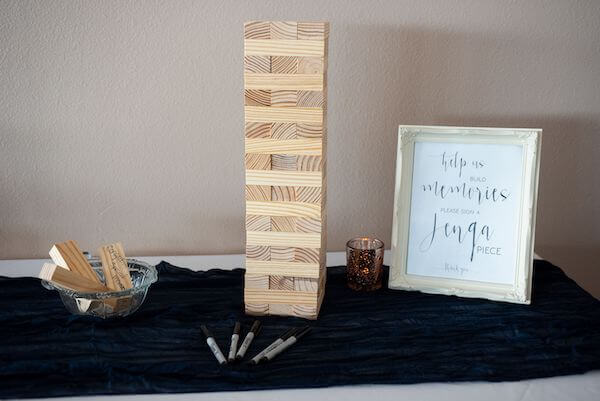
<point>285,345</point>
<point>212,344</point>
<point>273,345</point>
<point>254,330</point>
<point>234,342</point>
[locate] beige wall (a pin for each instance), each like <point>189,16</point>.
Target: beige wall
<point>123,120</point>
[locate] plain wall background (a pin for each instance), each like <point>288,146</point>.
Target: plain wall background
<point>123,121</point>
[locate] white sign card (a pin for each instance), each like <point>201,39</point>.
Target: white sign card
<point>465,211</point>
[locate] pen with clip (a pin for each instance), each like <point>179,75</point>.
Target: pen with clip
<point>254,330</point>
<point>234,342</point>
<point>286,344</point>
<point>273,345</point>
<point>212,344</point>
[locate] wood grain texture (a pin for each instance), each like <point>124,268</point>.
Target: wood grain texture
<point>258,223</point>
<point>257,30</point>
<point>312,30</point>
<point>284,30</point>
<point>284,223</point>
<point>257,97</point>
<point>285,178</point>
<point>310,99</point>
<point>305,311</point>
<point>283,131</point>
<point>284,65</point>
<point>261,64</point>
<point>273,81</point>
<point>313,115</point>
<point>293,269</point>
<point>69,255</point>
<point>281,309</point>
<point>69,279</point>
<point>283,239</point>
<point>114,266</point>
<point>283,193</point>
<point>284,209</point>
<point>279,297</point>
<point>309,163</point>
<point>304,146</point>
<point>306,255</point>
<point>255,161</point>
<point>281,283</point>
<point>282,254</point>
<point>284,47</point>
<point>308,194</point>
<point>258,192</point>
<point>306,284</point>
<point>309,130</point>
<point>258,252</point>
<point>256,281</point>
<point>258,130</point>
<point>285,82</point>
<point>307,65</point>
<point>284,162</point>
<point>284,98</point>
<point>256,309</point>
<point>308,225</point>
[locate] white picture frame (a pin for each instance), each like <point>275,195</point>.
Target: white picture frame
<point>470,272</point>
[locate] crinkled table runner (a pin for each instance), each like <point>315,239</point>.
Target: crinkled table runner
<point>382,337</point>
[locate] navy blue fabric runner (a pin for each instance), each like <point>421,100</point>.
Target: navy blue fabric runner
<point>360,338</point>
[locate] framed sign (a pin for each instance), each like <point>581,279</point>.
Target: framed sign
<point>464,211</point>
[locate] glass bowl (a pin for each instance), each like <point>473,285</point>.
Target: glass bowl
<point>112,303</point>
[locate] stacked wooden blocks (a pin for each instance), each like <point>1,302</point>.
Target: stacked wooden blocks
<point>285,83</point>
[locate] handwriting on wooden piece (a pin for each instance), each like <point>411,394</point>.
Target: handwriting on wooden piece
<point>114,265</point>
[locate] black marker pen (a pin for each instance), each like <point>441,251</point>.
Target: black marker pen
<point>234,342</point>
<point>212,344</point>
<point>285,345</point>
<point>254,330</point>
<point>273,345</point>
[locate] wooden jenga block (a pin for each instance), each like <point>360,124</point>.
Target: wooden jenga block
<point>259,64</point>
<point>258,192</point>
<point>284,131</point>
<point>258,223</point>
<point>284,65</point>
<point>282,253</point>
<point>114,266</point>
<point>257,161</point>
<point>258,130</point>
<point>69,256</point>
<point>285,82</point>
<point>69,279</point>
<point>283,194</point>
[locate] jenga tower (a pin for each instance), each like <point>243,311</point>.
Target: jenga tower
<point>285,88</point>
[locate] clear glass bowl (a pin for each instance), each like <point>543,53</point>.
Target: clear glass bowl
<point>112,303</point>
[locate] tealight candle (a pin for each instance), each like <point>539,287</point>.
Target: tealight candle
<point>364,258</point>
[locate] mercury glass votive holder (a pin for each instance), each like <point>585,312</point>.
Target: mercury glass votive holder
<point>364,257</point>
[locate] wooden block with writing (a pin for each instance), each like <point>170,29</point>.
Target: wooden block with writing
<point>285,83</point>
<point>114,266</point>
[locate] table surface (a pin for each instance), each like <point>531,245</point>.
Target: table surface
<point>575,387</point>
